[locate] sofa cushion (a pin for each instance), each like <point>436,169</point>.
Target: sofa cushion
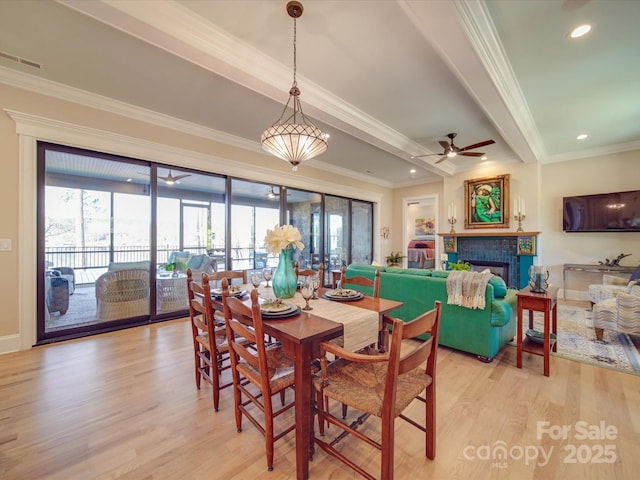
<point>173,256</point>
<point>499,286</point>
<point>198,262</point>
<point>144,264</point>
<point>440,273</point>
<point>420,272</point>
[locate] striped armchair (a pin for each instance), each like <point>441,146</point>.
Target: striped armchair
<point>620,313</point>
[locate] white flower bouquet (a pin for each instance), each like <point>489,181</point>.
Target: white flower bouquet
<point>282,237</point>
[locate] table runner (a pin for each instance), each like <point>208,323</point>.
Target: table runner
<point>360,325</point>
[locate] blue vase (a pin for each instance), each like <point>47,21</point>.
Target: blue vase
<point>284,280</point>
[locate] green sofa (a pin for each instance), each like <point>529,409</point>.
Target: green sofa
<point>480,332</point>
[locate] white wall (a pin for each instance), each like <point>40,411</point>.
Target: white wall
<point>542,187</point>
<point>612,173</point>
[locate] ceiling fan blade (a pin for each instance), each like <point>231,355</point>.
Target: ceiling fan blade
<point>178,177</point>
<point>441,160</point>
<point>471,154</point>
<point>445,145</point>
<point>476,145</point>
<point>427,155</point>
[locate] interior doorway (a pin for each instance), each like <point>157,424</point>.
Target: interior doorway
<point>419,232</point>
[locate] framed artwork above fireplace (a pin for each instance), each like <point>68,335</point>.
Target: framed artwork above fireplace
<point>486,202</point>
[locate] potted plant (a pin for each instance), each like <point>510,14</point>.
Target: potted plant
<point>394,259</point>
<point>175,267</point>
<point>460,266</point>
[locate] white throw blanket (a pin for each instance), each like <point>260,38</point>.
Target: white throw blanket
<point>467,289</point>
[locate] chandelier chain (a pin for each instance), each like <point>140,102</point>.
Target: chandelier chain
<point>295,66</point>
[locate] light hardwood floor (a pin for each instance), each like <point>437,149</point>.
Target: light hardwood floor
<point>124,405</point>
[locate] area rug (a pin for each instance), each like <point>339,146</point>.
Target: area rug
<point>577,341</point>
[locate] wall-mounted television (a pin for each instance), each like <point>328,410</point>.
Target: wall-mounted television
<point>605,212</point>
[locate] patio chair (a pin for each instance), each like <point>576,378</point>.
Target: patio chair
<point>122,294</point>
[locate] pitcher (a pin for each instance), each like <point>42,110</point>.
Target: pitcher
<point>538,277</point>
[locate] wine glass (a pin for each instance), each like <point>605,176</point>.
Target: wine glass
<point>267,273</point>
<point>256,278</point>
<point>315,283</point>
<point>307,292</point>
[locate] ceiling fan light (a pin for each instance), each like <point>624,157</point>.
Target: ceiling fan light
<point>451,154</point>
<point>580,31</point>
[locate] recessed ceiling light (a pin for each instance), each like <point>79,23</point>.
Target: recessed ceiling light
<point>582,136</point>
<point>484,157</point>
<point>580,31</point>
<point>413,170</point>
<point>129,179</point>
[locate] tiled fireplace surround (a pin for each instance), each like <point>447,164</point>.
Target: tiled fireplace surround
<point>495,249</point>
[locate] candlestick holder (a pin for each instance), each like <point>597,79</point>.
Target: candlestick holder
<point>452,222</point>
<point>519,218</point>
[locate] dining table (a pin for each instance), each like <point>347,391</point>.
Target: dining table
<point>300,336</point>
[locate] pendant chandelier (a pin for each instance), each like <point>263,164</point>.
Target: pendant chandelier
<point>294,138</point>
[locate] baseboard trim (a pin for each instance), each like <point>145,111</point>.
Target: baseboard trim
<point>10,343</point>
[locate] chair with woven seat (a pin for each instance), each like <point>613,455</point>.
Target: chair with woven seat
<point>268,370</point>
<point>381,385</point>
<point>211,357</point>
<point>361,281</point>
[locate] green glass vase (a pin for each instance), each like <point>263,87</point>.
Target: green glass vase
<point>284,280</point>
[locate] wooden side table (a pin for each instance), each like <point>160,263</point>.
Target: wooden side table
<point>546,303</point>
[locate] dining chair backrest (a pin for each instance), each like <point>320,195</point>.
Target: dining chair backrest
<point>355,381</point>
<point>209,346</point>
<point>308,273</point>
<point>267,368</point>
<point>234,310</point>
<point>230,275</point>
<point>362,281</point>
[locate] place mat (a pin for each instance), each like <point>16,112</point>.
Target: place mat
<point>360,326</point>
<point>343,295</point>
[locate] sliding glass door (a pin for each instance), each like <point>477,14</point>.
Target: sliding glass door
<point>117,236</point>
<point>93,217</point>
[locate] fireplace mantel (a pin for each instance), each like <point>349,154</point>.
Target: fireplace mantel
<point>516,249</point>
<point>489,234</point>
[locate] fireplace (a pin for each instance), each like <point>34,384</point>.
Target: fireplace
<point>501,269</point>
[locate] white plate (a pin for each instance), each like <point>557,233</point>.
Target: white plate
<point>281,308</point>
<point>218,292</point>
<point>343,293</point>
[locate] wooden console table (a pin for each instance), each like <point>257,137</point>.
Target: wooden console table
<point>546,303</point>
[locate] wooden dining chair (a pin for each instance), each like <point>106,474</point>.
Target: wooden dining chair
<point>308,272</point>
<point>210,346</point>
<point>382,385</point>
<point>361,281</point>
<point>266,368</point>
<point>230,275</point>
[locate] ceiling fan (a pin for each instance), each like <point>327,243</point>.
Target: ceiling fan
<point>451,150</point>
<point>273,194</point>
<point>170,179</point>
